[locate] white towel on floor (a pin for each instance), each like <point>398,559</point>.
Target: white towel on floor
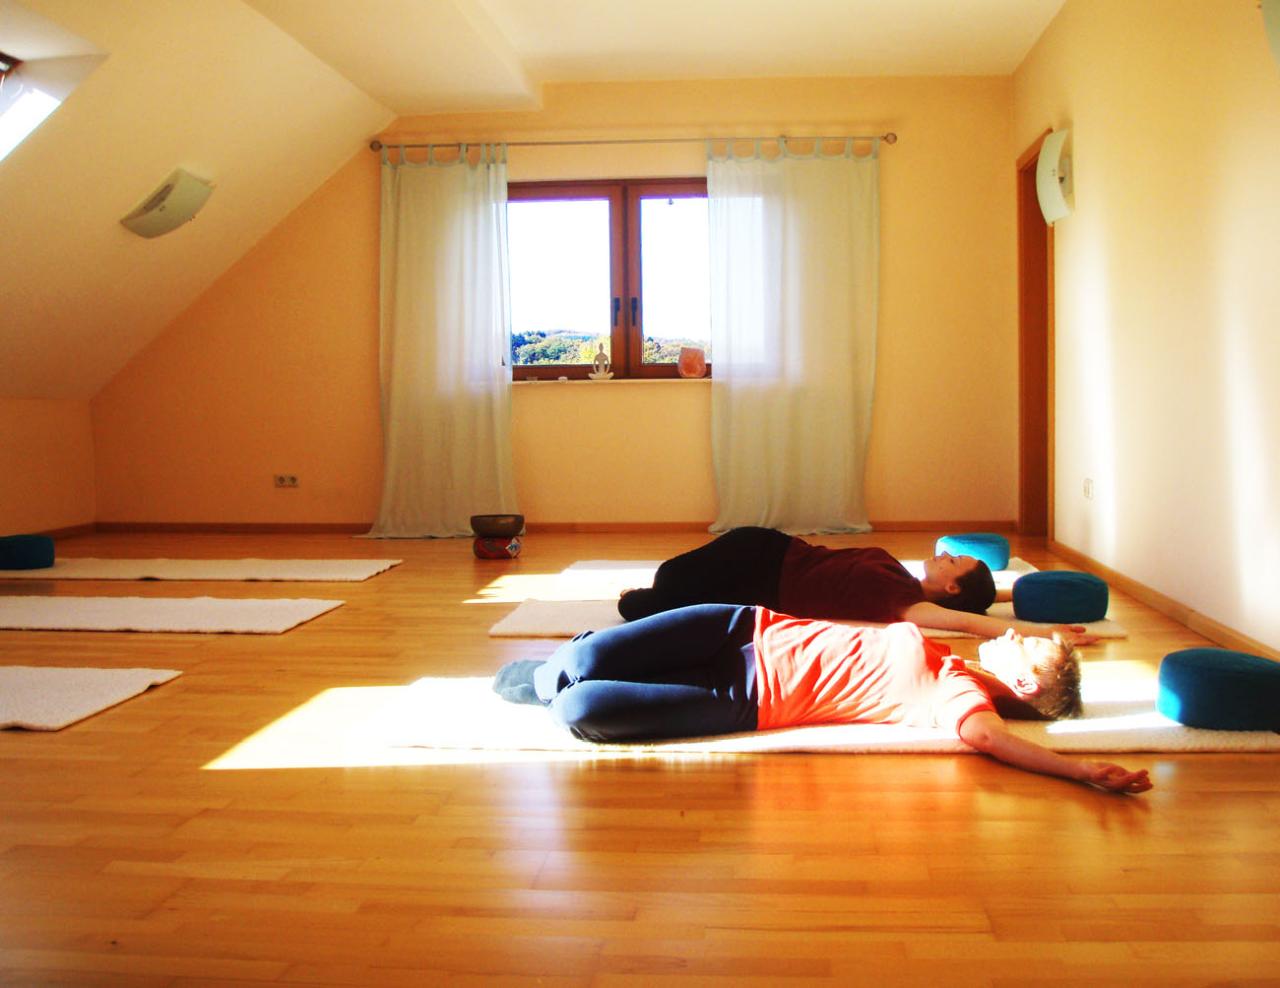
<point>48,698</point>
<point>300,570</point>
<point>175,614</point>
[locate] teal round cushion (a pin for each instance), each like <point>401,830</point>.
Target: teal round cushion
<point>26,552</point>
<point>991,548</point>
<point>1219,689</point>
<point>1060,597</point>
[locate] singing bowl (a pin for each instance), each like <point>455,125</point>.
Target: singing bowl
<point>497,526</point>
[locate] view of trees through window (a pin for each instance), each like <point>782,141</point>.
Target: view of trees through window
<point>576,285</point>
<point>564,347</point>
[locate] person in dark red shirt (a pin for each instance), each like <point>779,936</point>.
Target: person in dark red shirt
<point>768,568</point>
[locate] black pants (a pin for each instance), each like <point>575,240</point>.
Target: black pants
<point>681,674</point>
<point>742,566</point>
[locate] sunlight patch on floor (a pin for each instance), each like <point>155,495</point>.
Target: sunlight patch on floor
<point>1142,720</point>
<point>598,579</point>
<point>1118,681</point>
<point>1119,695</point>
<point>363,726</point>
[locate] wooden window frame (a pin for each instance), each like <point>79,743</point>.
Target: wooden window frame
<point>626,341</point>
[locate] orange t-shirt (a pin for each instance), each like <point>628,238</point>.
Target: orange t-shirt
<point>815,672</point>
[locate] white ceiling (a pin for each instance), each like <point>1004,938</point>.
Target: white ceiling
<point>268,98</point>
<point>433,56</point>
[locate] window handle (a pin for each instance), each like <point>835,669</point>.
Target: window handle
<point>635,302</point>
<point>617,307</point>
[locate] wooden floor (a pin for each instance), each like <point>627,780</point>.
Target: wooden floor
<point>126,860</point>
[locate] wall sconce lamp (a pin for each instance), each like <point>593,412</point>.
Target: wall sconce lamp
<point>1053,177</point>
<point>171,205</point>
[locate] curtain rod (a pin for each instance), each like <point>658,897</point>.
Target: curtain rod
<point>889,138</point>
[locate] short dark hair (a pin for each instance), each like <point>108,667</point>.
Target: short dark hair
<point>977,591</point>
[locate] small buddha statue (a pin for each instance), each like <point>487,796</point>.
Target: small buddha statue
<point>601,363</point>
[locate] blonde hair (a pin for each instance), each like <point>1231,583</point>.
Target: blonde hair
<point>1059,695</point>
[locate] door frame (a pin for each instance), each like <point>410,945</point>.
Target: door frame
<point>1035,353</point>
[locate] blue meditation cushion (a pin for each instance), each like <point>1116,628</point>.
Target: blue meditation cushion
<point>1220,690</point>
<point>1060,597</point>
<point>26,552</point>
<point>992,549</point>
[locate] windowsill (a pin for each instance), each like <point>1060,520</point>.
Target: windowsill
<point>543,381</point>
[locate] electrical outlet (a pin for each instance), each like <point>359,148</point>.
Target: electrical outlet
<point>1088,488</point>
<point>286,480</point>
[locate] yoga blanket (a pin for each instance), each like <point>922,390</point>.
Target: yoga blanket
<point>182,614</point>
<point>595,579</point>
<point>1120,715</point>
<point>50,698</point>
<point>444,720</point>
<point>565,618</point>
<point>298,570</point>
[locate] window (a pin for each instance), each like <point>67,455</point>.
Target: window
<point>40,66</point>
<point>618,265</point>
<point>22,107</point>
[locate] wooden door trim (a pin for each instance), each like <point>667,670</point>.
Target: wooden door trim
<point>1035,357</point>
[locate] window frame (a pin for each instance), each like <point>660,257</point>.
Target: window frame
<point>626,337</point>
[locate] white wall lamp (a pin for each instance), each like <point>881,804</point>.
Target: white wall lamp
<point>171,205</point>
<point>1271,22</point>
<point>1053,177</point>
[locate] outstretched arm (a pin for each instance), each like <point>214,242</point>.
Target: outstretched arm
<point>927,614</point>
<point>987,733</point>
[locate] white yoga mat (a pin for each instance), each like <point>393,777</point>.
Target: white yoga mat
<point>48,699</point>
<point>565,618</point>
<point>562,618</point>
<point>296,570</point>
<point>451,721</point>
<point>181,614</point>
<point>466,713</point>
<point>557,618</point>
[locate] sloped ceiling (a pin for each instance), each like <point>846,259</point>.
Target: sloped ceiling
<point>267,98</point>
<point>211,86</point>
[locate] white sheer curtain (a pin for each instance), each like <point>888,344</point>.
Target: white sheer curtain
<point>794,292</point>
<point>445,344</point>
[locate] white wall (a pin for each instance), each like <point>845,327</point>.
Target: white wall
<point>1168,300</point>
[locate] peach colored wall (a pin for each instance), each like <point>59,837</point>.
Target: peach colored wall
<point>46,465</point>
<point>272,370</point>
<point>1167,349</point>
<point>653,433</point>
<point>944,442</point>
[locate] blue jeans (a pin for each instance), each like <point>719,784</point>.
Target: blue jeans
<point>681,673</point>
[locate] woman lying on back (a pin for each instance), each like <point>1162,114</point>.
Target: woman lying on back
<point>768,568</point>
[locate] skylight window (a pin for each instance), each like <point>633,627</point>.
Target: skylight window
<point>40,66</point>
<point>23,107</point>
